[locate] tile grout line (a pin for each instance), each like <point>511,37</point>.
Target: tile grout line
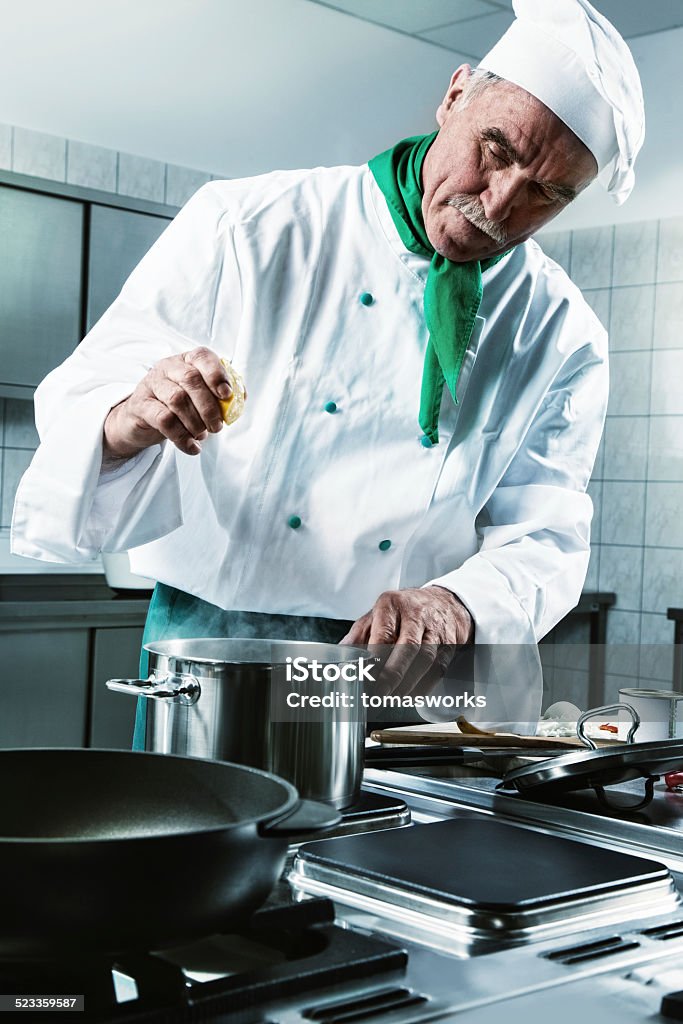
<point>647,460</point>
<point>604,429</point>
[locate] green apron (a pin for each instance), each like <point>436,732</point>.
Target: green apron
<point>175,615</point>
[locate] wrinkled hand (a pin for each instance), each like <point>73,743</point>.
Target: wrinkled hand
<point>177,399</point>
<point>425,626</point>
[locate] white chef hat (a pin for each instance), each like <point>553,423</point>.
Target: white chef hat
<point>567,55</point>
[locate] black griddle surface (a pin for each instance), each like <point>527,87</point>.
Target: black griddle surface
<point>483,863</point>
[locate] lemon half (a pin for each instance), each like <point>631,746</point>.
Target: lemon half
<point>233,408</point>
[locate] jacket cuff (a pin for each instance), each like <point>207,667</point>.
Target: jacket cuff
<point>498,616</point>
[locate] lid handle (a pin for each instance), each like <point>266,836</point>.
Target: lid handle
<point>590,743</point>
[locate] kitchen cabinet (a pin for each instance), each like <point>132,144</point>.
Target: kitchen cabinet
<point>116,653</point>
<point>67,251</point>
<point>118,241</point>
<point>57,653</point>
<point>44,690</point>
<point>676,615</point>
<point>40,282</point>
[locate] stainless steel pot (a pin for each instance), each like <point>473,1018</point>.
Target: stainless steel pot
<point>214,698</point>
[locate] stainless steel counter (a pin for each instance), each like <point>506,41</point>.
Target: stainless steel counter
<point>655,831</point>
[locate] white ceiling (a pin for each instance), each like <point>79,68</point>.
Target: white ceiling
<point>239,88</point>
<point>471,27</point>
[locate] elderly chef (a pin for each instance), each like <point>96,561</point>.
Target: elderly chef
<point>426,388</point>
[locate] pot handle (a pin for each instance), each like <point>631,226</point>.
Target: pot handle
<point>175,689</point>
<point>307,816</point>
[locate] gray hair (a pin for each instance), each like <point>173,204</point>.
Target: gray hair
<point>479,80</point>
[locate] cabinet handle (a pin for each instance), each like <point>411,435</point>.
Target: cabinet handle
<point>175,689</point>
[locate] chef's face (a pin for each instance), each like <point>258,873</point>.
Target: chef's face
<point>501,166</point>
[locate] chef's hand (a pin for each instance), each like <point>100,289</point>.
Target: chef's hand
<point>177,399</point>
<point>425,626</point>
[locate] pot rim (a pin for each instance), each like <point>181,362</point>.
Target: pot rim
<point>165,648</point>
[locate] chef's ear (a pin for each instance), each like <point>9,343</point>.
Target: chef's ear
<point>459,80</point>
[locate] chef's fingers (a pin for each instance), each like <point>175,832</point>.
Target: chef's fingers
<point>385,624</point>
<point>212,370</point>
<point>397,664</point>
<point>181,405</point>
<point>384,632</point>
<point>161,419</point>
<point>359,632</point>
<point>435,658</point>
<point>408,663</point>
<point>194,396</point>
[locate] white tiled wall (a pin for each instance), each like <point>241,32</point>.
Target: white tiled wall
<point>632,276</point>
<point>76,163</point>
<point>79,163</point>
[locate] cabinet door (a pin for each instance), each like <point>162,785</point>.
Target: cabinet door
<point>40,283</point>
<point>44,688</point>
<point>118,241</point>
<point>116,655</point>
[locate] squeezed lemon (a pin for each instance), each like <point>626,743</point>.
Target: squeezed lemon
<point>233,407</point>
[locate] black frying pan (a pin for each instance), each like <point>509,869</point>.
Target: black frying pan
<point>105,851</point>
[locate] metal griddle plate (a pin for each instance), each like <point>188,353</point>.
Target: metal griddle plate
<point>586,769</point>
<point>483,882</point>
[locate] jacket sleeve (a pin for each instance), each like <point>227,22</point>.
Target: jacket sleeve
<point>535,528</point>
<point>66,509</point>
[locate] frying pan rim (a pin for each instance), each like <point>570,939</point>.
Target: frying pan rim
<point>153,646</point>
<point>292,799</point>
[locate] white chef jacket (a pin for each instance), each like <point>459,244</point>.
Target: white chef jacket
<point>269,271</point>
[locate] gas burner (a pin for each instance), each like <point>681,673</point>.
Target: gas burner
<point>283,953</point>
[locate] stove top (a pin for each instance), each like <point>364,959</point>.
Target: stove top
<point>313,956</point>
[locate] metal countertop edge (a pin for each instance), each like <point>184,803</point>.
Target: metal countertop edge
<point>630,837</point>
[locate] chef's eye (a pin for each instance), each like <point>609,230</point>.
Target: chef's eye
<point>545,194</point>
<point>497,155</point>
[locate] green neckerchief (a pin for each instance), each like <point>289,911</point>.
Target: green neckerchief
<point>453,290</point>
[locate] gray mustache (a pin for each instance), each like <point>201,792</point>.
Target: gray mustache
<point>472,210</point>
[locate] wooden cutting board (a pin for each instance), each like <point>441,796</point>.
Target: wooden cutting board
<point>450,734</point>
